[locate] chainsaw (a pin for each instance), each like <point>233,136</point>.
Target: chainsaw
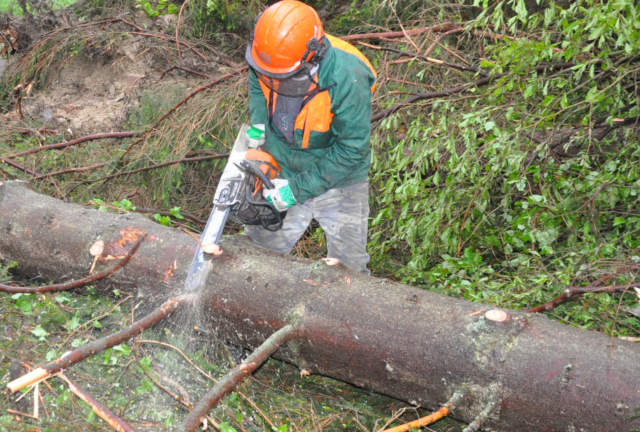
<point>239,197</point>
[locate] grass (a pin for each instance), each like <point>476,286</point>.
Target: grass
<point>12,7</point>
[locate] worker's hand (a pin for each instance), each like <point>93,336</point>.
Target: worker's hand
<point>280,196</point>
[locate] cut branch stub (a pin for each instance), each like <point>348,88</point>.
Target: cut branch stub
<point>78,283</point>
<point>96,250</point>
<point>496,315</point>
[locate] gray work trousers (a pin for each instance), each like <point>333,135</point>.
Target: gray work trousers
<point>343,214</point>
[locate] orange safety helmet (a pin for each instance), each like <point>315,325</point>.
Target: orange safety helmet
<point>287,39</point>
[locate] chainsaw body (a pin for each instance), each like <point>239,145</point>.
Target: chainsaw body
<point>239,197</point>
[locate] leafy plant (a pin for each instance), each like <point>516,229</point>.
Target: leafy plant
<point>516,190</point>
<point>163,7</point>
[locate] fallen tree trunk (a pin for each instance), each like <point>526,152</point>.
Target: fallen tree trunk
<point>408,343</point>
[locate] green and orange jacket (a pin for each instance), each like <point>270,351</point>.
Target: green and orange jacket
<point>331,138</point>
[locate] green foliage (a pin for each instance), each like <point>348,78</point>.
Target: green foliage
<point>12,6</point>
<point>504,195</point>
<point>162,220</point>
<point>122,206</point>
<point>4,271</point>
<point>162,8</point>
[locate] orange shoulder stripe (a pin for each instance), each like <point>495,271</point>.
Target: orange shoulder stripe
<point>347,47</point>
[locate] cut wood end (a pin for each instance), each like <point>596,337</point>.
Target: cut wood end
<point>331,261</point>
<point>28,379</point>
<point>212,249</point>
<point>305,373</point>
<point>97,248</point>
<point>496,315</point>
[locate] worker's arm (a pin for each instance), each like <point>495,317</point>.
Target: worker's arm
<point>257,102</point>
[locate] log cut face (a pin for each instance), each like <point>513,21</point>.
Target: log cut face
<point>405,342</point>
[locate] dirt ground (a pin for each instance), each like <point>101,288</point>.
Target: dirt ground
<point>93,93</point>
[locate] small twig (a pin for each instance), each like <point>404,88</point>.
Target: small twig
<point>78,283</point>
<point>477,422</point>
<point>72,143</point>
<point>194,237</point>
<point>70,170</point>
<point>18,166</point>
<point>574,291</point>
<point>438,28</point>
<point>20,413</point>
<point>178,30</point>
<point>188,216</point>
<point>424,58</point>
<point>440,37</point>
<point>162,165</point>
<point>101,410</point>
<point>183,69</point>
<point>432,418</point>
<point>392,419</point>
<point>36,400</point>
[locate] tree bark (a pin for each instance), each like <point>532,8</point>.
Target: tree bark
<point>401,341</point>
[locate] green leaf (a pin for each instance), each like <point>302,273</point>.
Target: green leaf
<point>39,332</point>
<point>592,93</point>
<point>175,212</point>
<point>51,355</point>
<point>73,323</point>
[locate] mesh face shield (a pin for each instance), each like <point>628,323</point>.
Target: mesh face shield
<point>299,85</point>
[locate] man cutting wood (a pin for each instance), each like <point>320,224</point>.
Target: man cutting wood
<point>310,105</point>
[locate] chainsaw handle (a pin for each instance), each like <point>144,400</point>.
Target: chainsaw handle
<point>258,173</point>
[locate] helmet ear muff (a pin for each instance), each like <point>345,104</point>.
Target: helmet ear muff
<point>314,54</point>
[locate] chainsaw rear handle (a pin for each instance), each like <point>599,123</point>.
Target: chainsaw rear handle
<point>258,173</point>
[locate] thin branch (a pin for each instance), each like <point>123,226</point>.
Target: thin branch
<point>178,30</point>
<point>432,418</point>
<point>81,282</point>
<point>188,216</point>
<point>459,89</point>
<point>99,345</point>
<point>424,58</point>
<point>101,410</point>
<point>72,143</point>
<point>440,37</point>
<point>183,69</point>
<point>235,376</point>
<point>575,291</point>
<point>172,39</point>
<point>18,166</point>
<point>437,28</point>
<point>476,424</point>
<point>70,170</point>
<point>162,165</point>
